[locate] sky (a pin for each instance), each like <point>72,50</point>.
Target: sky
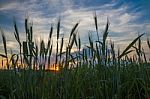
<point>127,18</point>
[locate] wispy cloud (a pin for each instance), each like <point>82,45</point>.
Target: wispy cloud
<point>44,14</point>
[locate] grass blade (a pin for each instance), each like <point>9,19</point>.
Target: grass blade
<point>4,41</point>
<point>61,46</point>
<point>130,45</point>
<point>73,30</point>
<point>105,37</point>
<point>96,25</point>
<point>49,56</point>
<point>4,56</point>
<point>58,29</point>
<point>51,32</point>
<point>148,43</point>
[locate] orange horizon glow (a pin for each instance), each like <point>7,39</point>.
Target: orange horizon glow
<point>53,67</point>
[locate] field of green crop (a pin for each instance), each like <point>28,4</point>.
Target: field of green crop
<point>93,72</point>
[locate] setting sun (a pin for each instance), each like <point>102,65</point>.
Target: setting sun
<point>53,68</point>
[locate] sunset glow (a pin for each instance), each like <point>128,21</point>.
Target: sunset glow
<point>53,68</point>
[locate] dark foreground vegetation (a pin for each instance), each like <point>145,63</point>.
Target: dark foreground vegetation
<point>93,72</point>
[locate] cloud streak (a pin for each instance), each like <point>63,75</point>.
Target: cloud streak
<point>44,14</point>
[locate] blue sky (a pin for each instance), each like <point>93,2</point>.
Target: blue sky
<point>127,18</point>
